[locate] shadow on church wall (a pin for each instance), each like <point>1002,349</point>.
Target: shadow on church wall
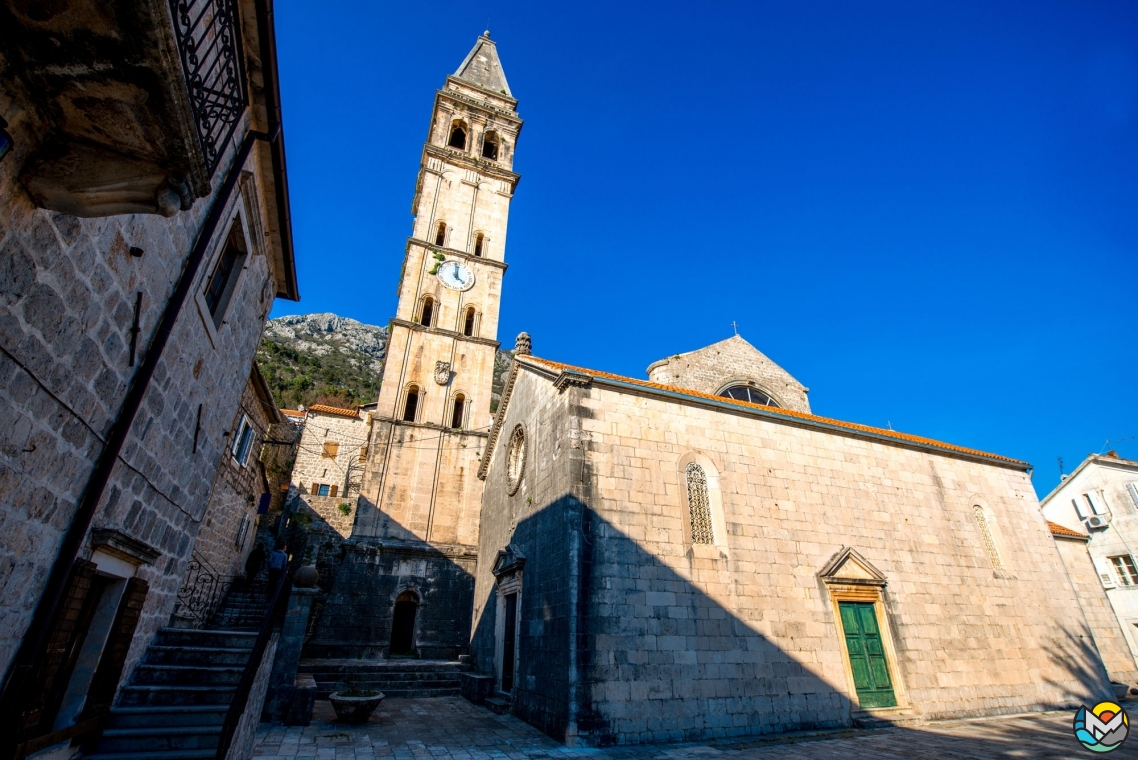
<point>613,640</point>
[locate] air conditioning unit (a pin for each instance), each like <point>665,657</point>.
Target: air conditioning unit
<point>1098,521</point>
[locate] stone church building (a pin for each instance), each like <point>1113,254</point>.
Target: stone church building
<point>690,556</point>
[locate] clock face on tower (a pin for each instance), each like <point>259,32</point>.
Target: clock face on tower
<point>456,276</point>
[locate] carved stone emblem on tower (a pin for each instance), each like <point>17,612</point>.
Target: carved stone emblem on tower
<point>442,372</point>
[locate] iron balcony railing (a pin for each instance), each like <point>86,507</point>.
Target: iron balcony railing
<point>210,47</point>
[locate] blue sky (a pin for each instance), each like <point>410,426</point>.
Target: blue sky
<point>926,212</point>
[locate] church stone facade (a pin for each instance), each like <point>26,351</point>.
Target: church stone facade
<point>658,563</point>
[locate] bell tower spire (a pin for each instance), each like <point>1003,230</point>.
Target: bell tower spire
<point>420,494</point>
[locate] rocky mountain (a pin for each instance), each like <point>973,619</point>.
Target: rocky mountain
<point>328,359</point>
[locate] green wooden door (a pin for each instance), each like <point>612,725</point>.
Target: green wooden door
<point>867,655</point>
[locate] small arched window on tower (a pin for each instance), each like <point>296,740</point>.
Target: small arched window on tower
<point>441,234</point>
<point>459,408</point>
<point>490,146</point>
<point>699,506</point>
<point>479,239</point>
<point>468,322</point>
<point>457,136</point>
<point>428,312</point>
<point>411,404</point>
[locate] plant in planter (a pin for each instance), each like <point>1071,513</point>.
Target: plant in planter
<point>353,704</point>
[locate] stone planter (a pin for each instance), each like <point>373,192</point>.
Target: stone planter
<point>354,710</point>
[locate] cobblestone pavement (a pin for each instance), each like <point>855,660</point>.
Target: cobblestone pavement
<point>451,728</point>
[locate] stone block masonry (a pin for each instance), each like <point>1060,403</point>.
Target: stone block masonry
<point>68,291</point>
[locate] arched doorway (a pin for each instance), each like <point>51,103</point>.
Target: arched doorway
<point>403,625</point>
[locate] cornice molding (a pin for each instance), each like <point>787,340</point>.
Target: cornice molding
<point>416,327</point>
<point>509,114</point>
<point>431,426</point>
<point>457,253</point>
<point>467,161</point>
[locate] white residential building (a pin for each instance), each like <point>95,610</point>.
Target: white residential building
<point>1100,499</point>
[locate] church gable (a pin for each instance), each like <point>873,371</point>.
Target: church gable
<point>727,364</point>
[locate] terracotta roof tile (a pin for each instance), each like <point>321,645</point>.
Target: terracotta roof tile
<point>322,409</point>
<point>781,411</point>
<point>1059,530</point>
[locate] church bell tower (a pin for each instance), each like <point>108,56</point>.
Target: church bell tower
<point>420,495</point>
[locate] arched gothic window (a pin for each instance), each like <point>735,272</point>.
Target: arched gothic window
<point>428,312</point>
<point>441,234</point>
<point>699,506</point>
<point>748,393</point>
<point>987,537</point>
<point>457,136</point>
<point>411,405</point>
<point>468,323</point>
<point>478,240</point>
<point>490,146</point>
<point>459,408</point>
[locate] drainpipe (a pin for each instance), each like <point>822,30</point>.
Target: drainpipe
<point>34,640</point>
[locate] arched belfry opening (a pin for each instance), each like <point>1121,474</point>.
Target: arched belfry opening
<point>403,625</point>
<point>457,136</point>
<point>490,146</point>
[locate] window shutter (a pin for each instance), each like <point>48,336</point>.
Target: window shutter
<point>1079,509</point>
<point>1105,572</point>
<point>63,640</point>
<point>1096,506</point>
<point>315,489</point>
<point>331,449</point>
<point>1133,489</point>
<point>109,671</point>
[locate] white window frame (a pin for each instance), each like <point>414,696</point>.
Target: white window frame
<point>243,439</point>
<point>1125,571</point>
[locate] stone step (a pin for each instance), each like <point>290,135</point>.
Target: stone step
<point>180,715</point>
<point>187,675</point>
<point>498,705</point>
<point>157,655</point>
<point>380,666</point>
<point>177,754</point>
<point>137,696</point>
<point>399,693</point>
<point>159,739</point>
<point>197,637</point>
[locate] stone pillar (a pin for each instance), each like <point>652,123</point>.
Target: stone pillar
<point>282,681</point>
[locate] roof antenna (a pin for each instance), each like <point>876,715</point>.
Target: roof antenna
<point>486,33</point>
<point>1106,446</point>
<point>1061,473</point>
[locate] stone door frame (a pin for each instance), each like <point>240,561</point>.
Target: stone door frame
<point>849,577</point>
<point>511,584</point>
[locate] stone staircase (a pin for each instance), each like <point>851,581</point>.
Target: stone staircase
<point>175,704</point>
<point>397,679</point>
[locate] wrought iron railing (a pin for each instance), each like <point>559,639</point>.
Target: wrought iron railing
<point>202,591</point>
<point>210,48</point>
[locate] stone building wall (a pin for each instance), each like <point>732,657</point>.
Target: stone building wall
<point>314,465</point>
<point>1105,627</point>
<point>67,294</point>
<point>229,526</point>
<point>730,361</point>
<point>677,641</point>
<point>541,520</point>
